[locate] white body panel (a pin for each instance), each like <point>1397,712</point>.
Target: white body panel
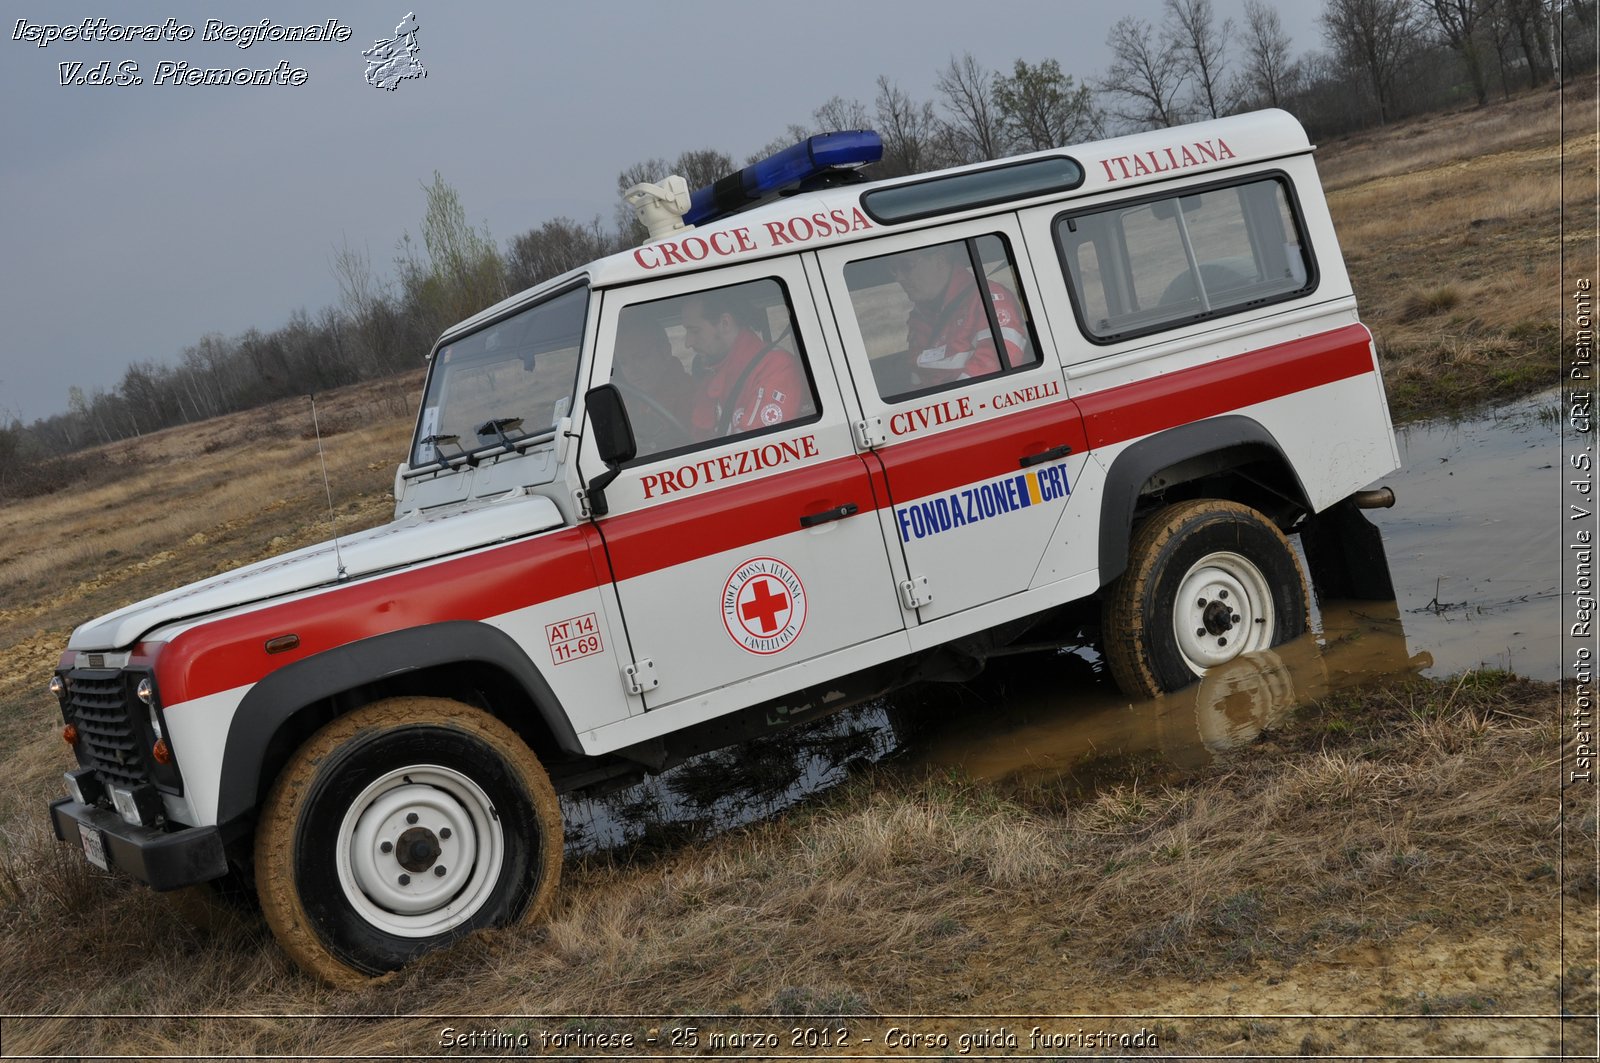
<point>699,592</point>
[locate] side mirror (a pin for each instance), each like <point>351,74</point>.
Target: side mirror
<point>613,432</point>
<point>613,436</point>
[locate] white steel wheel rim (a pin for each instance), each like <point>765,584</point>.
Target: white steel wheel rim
<point>1223,608</point>
<point>400,889</point>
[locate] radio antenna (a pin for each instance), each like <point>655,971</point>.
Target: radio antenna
<point>326,486</point>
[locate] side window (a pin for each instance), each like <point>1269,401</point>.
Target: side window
<point>937,315</point>
<point>698,369</point>
<point>1158,263</point>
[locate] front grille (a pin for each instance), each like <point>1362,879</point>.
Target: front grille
<point>110,736</point>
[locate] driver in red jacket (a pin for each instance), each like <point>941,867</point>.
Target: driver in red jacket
<point>743,383</point>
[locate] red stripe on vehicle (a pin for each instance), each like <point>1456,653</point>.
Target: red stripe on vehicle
<point>230,652</point>
<point>1129,411</point>
<point>227,653</point>
<point>659,537</point>
<point>993,447</point>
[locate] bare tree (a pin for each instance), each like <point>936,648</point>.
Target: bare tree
<point>1145,75</point>
<point>909,130</point>
<point>1201,50</point>
<point>972,122</point>
<point>555,247</point>
<point>704,166</point>
<point>840,114</point>
<point>1460,25</point>
<point>1374,37</point>
<point>366,300</point>
<point>1528,19</point>
<point>1270,70</point>
<point>78,406</point>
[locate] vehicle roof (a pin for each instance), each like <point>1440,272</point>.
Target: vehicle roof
<point>789,224</point>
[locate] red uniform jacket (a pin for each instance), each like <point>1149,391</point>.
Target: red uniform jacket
<point>773,391</point>
<point>954,342</point>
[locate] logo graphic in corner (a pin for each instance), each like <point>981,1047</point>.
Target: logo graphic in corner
<point>764,605</point>
<point>392,61</point>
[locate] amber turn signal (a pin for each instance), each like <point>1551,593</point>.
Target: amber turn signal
<point>161,751</point>
<point>283,643</point>
<point>70,733</point>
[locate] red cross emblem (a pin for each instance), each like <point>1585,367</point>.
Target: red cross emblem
<point>764,605</point>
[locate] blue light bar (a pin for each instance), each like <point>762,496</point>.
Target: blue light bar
<point>812,157</point>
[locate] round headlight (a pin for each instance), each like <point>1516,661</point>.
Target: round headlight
<point>57,687</point>
<point>146,691</point>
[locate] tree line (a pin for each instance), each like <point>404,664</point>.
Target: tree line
<point>1382,60</point>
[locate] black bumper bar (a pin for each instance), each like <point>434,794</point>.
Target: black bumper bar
<point>161,860</point>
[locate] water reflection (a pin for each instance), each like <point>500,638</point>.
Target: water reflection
<point>1032,718</point>
<point>1474,538</point>
<point>1080,730</point>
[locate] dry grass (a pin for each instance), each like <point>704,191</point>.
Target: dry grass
<point>1424,808</point>
<point>1452,231</point>
<point>1531,120</point>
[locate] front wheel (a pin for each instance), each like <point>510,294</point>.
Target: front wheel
<point>1207,581</point>
<point>399,828</point>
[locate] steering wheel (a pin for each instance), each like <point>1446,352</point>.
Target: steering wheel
<point>636,398</point>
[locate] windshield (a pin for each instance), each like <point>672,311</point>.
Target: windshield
<point>510,381</point>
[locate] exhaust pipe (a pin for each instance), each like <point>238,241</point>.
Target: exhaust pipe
<point>1377,498</point>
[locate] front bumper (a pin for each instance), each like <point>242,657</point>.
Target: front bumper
<point>159,859</point>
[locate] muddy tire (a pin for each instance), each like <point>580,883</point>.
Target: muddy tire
<point>1207,580</point>
<point>399,828</point>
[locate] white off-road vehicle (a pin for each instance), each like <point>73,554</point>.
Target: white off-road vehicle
<point>793,451</point>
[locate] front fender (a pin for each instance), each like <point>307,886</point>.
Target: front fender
<point>279,697</point>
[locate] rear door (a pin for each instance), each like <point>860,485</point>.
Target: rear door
<point>963,402</point>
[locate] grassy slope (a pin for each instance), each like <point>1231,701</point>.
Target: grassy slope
<point>905,893</point>
<point>1391,853</point>
<point>1452,228</point>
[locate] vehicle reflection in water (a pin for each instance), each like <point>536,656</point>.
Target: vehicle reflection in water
<point>1028,719</point>
<point>1081,731</point>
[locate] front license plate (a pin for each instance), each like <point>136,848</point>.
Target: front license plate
<point>94,846</point>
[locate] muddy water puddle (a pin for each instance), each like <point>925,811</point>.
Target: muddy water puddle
<point>1473,539</point>
<point>1473,550</point>
<point>1038,718</point>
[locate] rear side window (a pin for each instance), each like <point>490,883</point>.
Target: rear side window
<point>935,316</point>
<point>1158,263</point>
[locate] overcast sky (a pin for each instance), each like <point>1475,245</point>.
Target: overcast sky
<point>136,218</point>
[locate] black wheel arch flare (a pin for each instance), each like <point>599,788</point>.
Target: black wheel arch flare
<point>276,700</point>
<point>1134,466</point>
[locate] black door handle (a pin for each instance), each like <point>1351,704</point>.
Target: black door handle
<point>811,520</point>
<point>1049,455</point>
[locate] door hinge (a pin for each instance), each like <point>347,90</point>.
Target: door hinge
<point>640,676</point>
<point>914,592</point>
<point>581,498</point>
<point>870,433</point>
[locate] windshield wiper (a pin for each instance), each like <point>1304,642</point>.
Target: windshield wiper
<point>435,440</point>
<point>499,426</point>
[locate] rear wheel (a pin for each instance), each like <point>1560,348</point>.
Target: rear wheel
<point>1207,580</point>
<point>399,828</point>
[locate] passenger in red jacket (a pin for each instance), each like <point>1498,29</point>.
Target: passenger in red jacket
<point>742,382</point>
<point>948,334</point>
